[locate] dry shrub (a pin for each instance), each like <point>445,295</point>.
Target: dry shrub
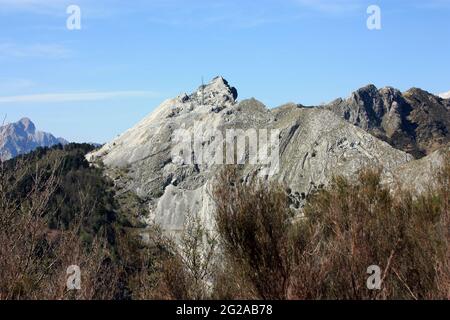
<point>346,228</point>
<point>443,266</point>
<point>354,226</point>
<point>188,268</point>
<point>34,259</point>
<point>253,223</point>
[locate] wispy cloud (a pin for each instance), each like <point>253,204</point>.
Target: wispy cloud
<point>36,6</point>
<point>228,13</point>
<point>174,13</point>
<point>77,97</point>
<point>95,9</point>
<point>332,6</point>
<point>433,4</point>
<point>38,50</point>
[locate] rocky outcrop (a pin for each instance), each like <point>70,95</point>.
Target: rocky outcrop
<point>22,137</point>
<point>302,148</point>
<point>416,121</point>
<point>420,175</point>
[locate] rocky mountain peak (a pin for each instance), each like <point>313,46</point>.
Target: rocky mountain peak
<point>27,125</point>
<point>390,93</point>
<point>308,146</point>
<point>420,94</point>
<point>417,91</point>
<point>22,137</point>
<point>416,121</point>
<point>217,92</point>
<point>368,90</point>
<point>371,95</point>
<point>313,144</point>
<point>212,97</point>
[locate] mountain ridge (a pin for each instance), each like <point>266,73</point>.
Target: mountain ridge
<point>414,121</point>
<point>315,144</point>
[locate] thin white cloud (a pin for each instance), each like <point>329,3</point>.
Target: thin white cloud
<point>166,12</point>
<point>433,4</point>
<point>76,97</point>
<point>332,6</point>
<point>92,8</point>
<point>57,8</point>
<point>36,6</point>
<point>38,50</point>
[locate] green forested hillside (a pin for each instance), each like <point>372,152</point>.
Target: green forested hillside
<point>82,192</point>
<point>56,211</point>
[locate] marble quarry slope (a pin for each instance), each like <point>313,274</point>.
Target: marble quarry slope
<point>314,144</point>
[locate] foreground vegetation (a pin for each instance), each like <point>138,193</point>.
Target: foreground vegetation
<point>57,211</point>
<point>346,228</point>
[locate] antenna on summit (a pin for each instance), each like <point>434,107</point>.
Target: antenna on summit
<point>202,88</point>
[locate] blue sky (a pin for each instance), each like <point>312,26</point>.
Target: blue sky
<point>94,83</point>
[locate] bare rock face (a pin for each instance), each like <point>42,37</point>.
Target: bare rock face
<point>145,151</point>
<point>302,148</point>
<point>22,137</point>
<point>317,145</point>
<point>420,175</point>
<point>416,121</point>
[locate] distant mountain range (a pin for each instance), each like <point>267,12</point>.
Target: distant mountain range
<point>22,137</point>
